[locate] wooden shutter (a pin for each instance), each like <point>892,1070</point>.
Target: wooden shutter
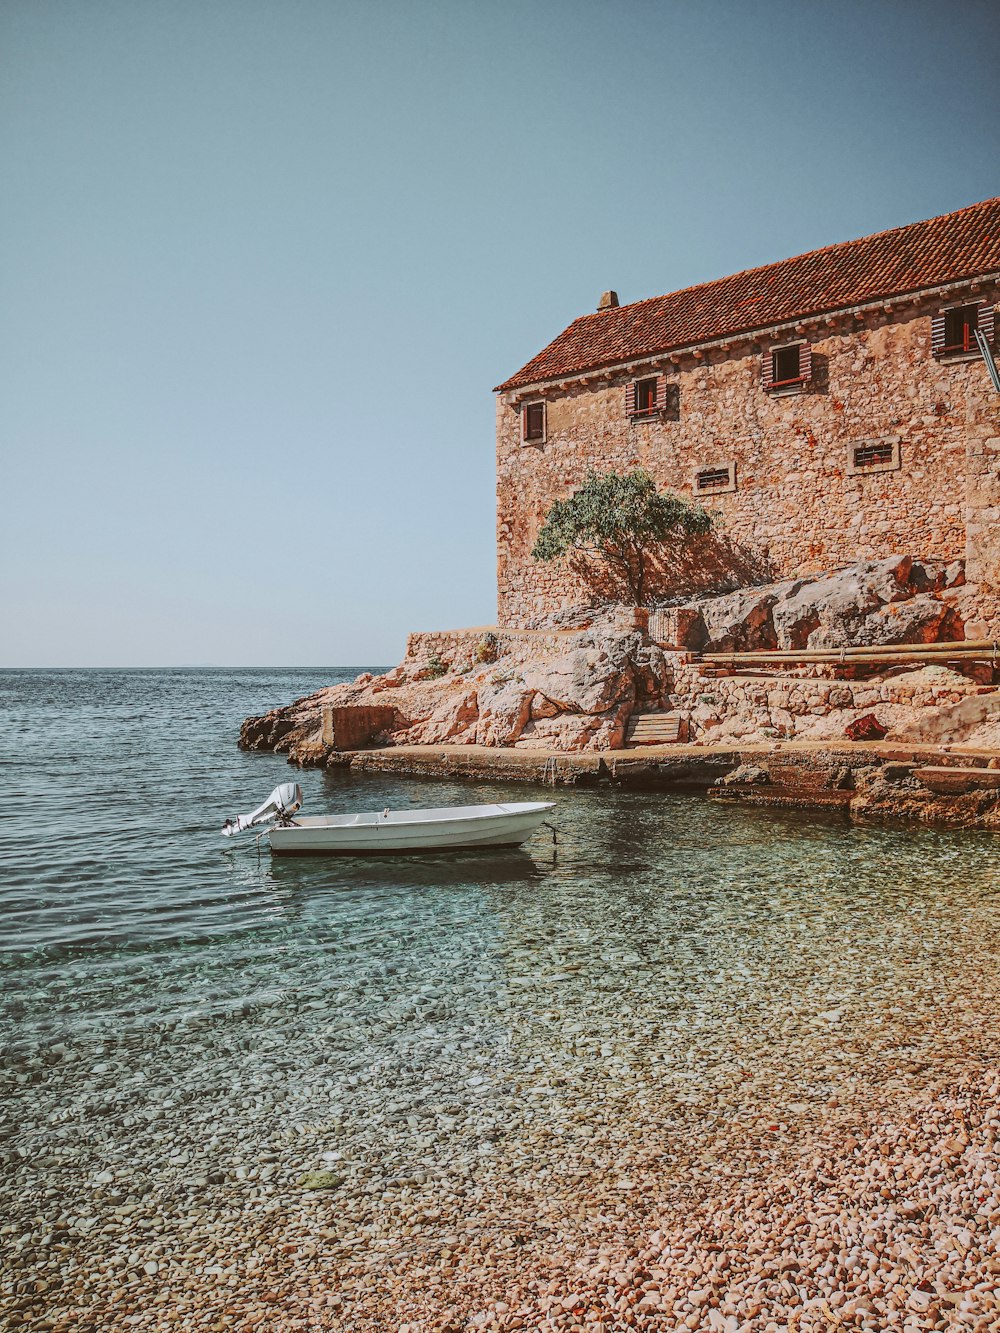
<point>937,333</point>
<point>805,361</point>
<point>767,367</point>
<point>533,431</point>
<point>986,316</point>
<point>661,393</point>
<point>630,407</point>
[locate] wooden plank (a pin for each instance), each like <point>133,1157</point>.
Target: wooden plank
<point>816,657</point>
<point>954,646</point>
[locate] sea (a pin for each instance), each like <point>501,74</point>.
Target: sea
<point>722,935</point>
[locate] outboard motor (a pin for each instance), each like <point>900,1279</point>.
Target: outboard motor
<point>280,806</point>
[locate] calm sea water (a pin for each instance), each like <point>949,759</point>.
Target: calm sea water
<point>118,907</point>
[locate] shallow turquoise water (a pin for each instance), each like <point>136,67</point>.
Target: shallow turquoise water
<point>665,926</point>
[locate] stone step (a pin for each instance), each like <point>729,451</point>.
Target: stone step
<point>956,780</point>
<point>653,729</point>
<point>795,797</point>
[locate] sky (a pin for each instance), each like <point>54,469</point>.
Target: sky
<point>262,261</point>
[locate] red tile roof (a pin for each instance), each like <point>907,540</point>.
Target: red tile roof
<point>891,263</point>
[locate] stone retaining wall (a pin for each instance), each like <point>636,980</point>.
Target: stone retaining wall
<point>484,644</point>
<point>349,726</point>
<point>730,707</point>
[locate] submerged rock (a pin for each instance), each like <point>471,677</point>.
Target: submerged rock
<point>320,1180</point>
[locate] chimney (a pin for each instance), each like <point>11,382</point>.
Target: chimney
<point>608,300</point>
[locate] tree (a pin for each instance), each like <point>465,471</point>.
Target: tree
<point>618,519</point>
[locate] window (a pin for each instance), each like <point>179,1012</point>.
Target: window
<point>533,423</point>
<point>953,331</point>
<point>646,397</point>
<point>716,479</point>
<point>788,367</point>
<point>864,456</point>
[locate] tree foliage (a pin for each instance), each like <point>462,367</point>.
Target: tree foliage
<point>620,520</point>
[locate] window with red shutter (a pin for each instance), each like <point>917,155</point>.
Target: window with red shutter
<point>645,397</point>
<point>960,324</point>
<point>953,330</point>
<point>788,367</point>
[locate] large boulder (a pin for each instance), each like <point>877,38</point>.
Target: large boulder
<point>860,604</point>
<point>742,621</point>
<point>863,604</point>
<point>590,679</point>
<point>831,608</point>
<point>578,731</point>
<point>921,619</point>
<point>504,709</point>
<point>651,673</point>
<point>453,721</point>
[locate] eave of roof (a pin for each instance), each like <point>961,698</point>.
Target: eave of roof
<point>921,256</point>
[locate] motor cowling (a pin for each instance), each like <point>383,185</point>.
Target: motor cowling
<point>281,805</point>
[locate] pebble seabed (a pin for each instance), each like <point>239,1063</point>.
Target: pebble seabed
<point>699,1070</point>
<point>298,1167</point>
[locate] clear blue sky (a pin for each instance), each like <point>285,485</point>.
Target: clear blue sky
<point>261,262</point>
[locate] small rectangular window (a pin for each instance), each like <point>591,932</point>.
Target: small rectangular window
<point>865,456</point>
<point>787,368</point>
<point>714,480</point>
<point>533,429</point>
<point>960,327</point>
<point>645,397</point>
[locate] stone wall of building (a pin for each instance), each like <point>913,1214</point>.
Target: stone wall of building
<point>797,508</point>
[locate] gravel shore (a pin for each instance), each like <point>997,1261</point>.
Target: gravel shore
<point>752,1092</point>
<point>897,1228</point>
<point>214,1176</point>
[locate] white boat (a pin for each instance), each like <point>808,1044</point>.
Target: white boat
<point>446,828</point>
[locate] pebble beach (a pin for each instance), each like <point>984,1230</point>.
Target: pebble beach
<point>674,1075</point>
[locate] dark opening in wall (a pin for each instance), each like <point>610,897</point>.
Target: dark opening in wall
<point>788,368</point>
<point>872,456</point>
<point>715,479</point>
<point>960,327</point>
<point>645,396</point>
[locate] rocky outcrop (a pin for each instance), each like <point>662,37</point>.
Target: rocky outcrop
<point>565,690</point>
<point>898,600</point>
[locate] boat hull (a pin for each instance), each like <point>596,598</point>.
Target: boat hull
<point>400,832</point>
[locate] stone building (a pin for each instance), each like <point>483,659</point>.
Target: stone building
<point>829,408</point>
